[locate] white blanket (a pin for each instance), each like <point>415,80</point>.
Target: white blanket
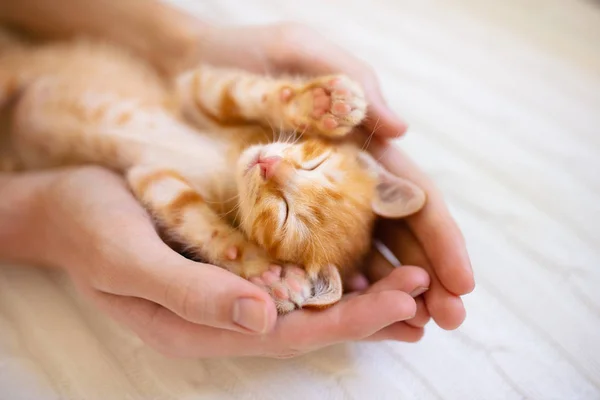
<point>504,103</point>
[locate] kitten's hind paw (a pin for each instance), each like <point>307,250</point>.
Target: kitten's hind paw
<point>291,288</point>
<point>331,105</point>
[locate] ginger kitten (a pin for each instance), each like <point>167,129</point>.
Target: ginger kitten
<point>250,173</point>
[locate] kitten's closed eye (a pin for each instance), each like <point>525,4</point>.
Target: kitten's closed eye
<point>284,211</point>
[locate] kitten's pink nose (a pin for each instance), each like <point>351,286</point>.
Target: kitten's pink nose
<point>268,165</point>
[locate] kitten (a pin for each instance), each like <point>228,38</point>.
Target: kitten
<point>250,173</point>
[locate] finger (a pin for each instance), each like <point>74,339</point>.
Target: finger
<point>412,280</point>
<point>445,308</point>
<point>377,266</point>
<point>352,319</point>
<point>434,227</point>
<point>422,317</point>
<point>319,56</point>
<point>400,332</point>
<point>298,332</point>
<point>166,332</point>
<point>356,282</point>
<point>205,294</point>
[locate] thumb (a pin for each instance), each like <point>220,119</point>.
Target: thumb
<point>126,257</point>
<point>201,293</point>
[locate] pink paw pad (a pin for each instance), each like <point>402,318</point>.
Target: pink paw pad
<point>286,94</point>
<point>321,102</point>
<point>340,108</point>
<point>232,253</point>
<point>288,285</point>
<point>338,104</point>
<point>330,123</point>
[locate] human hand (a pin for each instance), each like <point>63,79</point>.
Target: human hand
<point>430,239</point>
<point>93,227</point>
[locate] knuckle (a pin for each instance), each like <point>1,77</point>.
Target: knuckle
<point>188,301</point>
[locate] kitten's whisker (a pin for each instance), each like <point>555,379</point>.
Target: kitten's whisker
<point>384,153</point>
<point>222,201</point>
<point>282,136</point>
<point>280,126</point>
<point>299,136</point>
<point>368,141</point>
<point>291,138</point>
<point>320,243</point>
<point>236,208</point>
<point>272,131</point>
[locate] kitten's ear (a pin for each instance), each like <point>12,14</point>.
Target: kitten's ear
<point>395,197</point>
<point>327,288</point>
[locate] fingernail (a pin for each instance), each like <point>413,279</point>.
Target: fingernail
<point>251,314</point>
<point>419,291</point>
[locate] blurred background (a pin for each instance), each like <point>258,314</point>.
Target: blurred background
<point>503,101</point>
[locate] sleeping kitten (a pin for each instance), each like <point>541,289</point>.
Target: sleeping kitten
<point>247,172</point>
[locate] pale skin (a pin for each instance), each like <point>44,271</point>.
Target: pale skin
<point>163,297</point>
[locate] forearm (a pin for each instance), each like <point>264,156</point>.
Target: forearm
<point>168,38</point>
<point>22,228</point>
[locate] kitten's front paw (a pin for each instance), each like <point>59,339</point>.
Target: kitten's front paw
<point>331,105</point>
<point>289,286</point>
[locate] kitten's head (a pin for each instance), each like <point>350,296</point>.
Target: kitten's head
<point>314,202</point>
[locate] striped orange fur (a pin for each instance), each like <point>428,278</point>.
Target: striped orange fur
<point>200,154</point>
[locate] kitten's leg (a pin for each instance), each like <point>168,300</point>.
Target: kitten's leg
<point>329,105</point>
<point>185,217</point>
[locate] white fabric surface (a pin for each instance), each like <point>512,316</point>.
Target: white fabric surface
<point>504,103</point>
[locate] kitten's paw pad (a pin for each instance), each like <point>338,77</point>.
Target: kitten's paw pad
<point>232,253</point>
<point>289,286</point>
<point>331,105</point>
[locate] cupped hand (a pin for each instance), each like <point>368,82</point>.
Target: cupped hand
<point>95,229</point>
<point>429,239</point>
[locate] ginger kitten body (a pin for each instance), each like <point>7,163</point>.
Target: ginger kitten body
<point>247,172</point>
